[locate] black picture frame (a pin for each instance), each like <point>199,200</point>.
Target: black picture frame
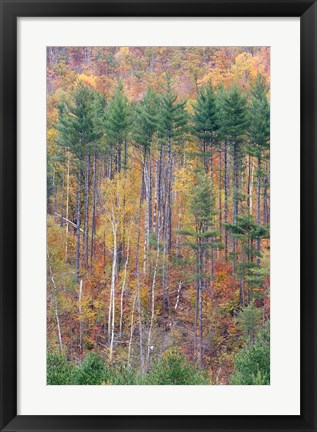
<point>10,11</point>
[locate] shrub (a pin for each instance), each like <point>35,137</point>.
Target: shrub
<point>252,363</point>
<point>123,375</point>
<point>59,370</point>
<point>173,369</point>
<point>92,371</point>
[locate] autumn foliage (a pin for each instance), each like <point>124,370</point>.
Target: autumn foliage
<point>158,189</point>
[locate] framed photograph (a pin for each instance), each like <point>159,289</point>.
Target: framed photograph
<point>158,215</point>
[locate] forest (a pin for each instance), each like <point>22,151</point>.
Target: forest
<point>158,213</point>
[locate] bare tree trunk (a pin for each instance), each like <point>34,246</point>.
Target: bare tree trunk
<point>155,210</point>
<point>138,278</point>
<point>59,332</point>
<point>78,224</point>
<point>80,316</point>
<point>251,190</point>
<point>220,191</point>
<point>226,198</point>
<point>123,286</point>
<point>67,209</point>
<point>200,296</point>
<point>131,329</point>
<point>258,211</point>
<point>112,295</point>
<point>93,222</point>
<point>235,199</point>
<point>60,342</point>
<point>169,198</point>
<point>249,185</point>
<point>61,222</point>
<point>86,198</point>
<point>153,301</point>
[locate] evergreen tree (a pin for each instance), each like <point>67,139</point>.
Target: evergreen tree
<point>77,132</point>
<point>172,121</point>
<point>118,126</point>
<point>234,128</point>
<point>245,232</point>
<point>202,218</point>
<point>259,133</point>
<point>205,123</point>
<point>146,121</point>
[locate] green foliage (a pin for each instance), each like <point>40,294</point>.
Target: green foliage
<point>118,116</point>
<point>173,369</point>
<point>122,375</point>
<point>172,114</point>
<point>234,119</point>
<point>92,370</point>
<point>146,121</point>
<point>205,116</point>
<point>200,208</point>
<point>59,370</point>
<point>204,119</point>
<point>249,321</point>
<point>76,121</point>
<point>259,117</point>
<point>252,363</point>
<point>246,231</point>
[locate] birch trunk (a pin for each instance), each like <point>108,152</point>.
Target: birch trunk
<point>112,290</point>
<point>59,332</point>
<point>123,286</point>
<point>153,302</point>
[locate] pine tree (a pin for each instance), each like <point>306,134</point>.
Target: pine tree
<point>172,121</point>
<point>205,123</point>
<point>118,126</point>
<point>200,229</point>
<point>259,134</point>
<point>234,127</point>
<point>246,232</point>
<point>78,134</point>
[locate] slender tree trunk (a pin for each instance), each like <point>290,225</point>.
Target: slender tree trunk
<point>93,222</point>
<point>258,211</point>
<point>220,191</point>
<point>78,223</point>
<point>153,302</point>
<point>235,199</point>
<point>200,295</point>
<point>123,286</point>
<point>80,316</point>
<point>249,185</point>
<point>196,302</point>
<point>169,198</point>
<point>131,329</point>
<point>61,222</point>
<point>138,278</point>
<point>59,332</point>
<point>226,198</point>
<point>155,210</point>
<point>251,190</point>
<point>86,199</point>
<point>67,209</point>
<point>55,196</point>
<point>113,279</point>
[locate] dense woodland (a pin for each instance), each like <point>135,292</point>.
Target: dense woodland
<point>158,184</point>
